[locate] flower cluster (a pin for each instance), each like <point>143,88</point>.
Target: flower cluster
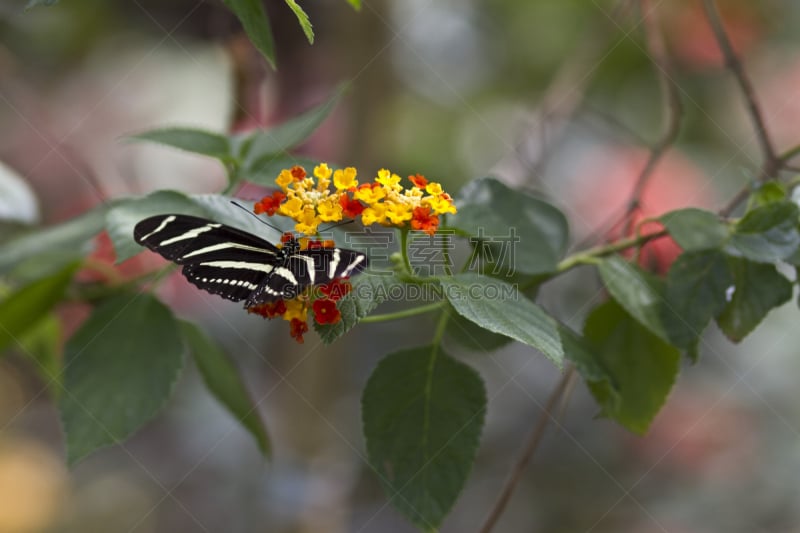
<point>320,300</point>
<point>331,196</point>
<point>310,201</point>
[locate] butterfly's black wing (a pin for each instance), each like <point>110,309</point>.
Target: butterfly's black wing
<point>308,267</point>
<point>216,258</point>
<point>238,265</point>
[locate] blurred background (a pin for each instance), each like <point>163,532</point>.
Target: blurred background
<point>557,97</point>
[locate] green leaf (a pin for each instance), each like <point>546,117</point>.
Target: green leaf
<point>122,218</point>
<point>25,307</point>
<point>35,3</point>
<point>694,229</point>
<point>120,369</point>
<point>423,413</point>
<point>471,336</point>
<point>355,3</point>
<point>264,171</point>
<point>696,293</point>
<point>302,18</point>
<point>501,308</point>
<point>766,234</point>
<point>42,344</point>
<point>589,366</point>
<point>643,366</point>
<point>224,382</point>
<point>62,243</point>
<point>254,19</point>
<point>759,288</point>
<point>191,140</point>
<point>636,292</point>
<point>769,193</point>
<point>525,234</point>
<point>265,145</point>
<point>369,290</point>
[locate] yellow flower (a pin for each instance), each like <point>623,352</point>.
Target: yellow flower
<point>389,180</point>
<point>345,179</point>
<point>305,185</point>
<point>441,205</point>
<point>369,194</point>
<point>293,207</point>
<point>329,210</point>
<point>434,188</point>
<point>413,193</point>
<point>295,308</point>
<point>373,214</point>
<point>307,222</point>
<point>284,179</point>
<point>323,171</point>
<point>397,213</point>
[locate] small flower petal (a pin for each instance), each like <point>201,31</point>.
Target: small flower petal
<point>423,220</point>
<point>297,328</point>
<point>418,180</point>
<point>374,214</point>
<point>434,188</point>
<point>329,210</point>
<point>345,179</point>
<point>350,208</point>
<point>325,311</point>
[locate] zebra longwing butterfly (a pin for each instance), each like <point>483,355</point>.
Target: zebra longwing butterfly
<point>239,266</point>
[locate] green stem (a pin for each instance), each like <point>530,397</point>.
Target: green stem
<point>446,254</point>
<point>593,254</point>
<point>404,250</point>
<point>790,154</point>
<point>405,313</point>
<point>440,329</point>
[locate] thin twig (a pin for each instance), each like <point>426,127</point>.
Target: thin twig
<point>564,95</point>
<point>735,201</point>
<point>528,451</point>
<point>772,163</point>
<point>671,105</point>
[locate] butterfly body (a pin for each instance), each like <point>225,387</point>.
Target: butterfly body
<point>240,266</point>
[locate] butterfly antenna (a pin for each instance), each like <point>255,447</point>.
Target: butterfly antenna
<point>243,208</point>
<point>337,225</point>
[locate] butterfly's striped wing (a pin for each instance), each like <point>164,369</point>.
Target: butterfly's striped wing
<point>216,258</point>
<point>239,266</point>
<point>308,267</point>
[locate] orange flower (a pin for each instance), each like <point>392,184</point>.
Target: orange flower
<point>325,311</point>
<point>418,180</point>
<point>269,204</point>
<point>350,208</point>
<point>423,220</point>
<point>336,289</point>
<point>298,172</point>
<point>269,310</point>
<point>297,328</point>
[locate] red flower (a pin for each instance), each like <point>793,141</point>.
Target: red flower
<point>350,208</point>
<point>336,289</point>
<point>320,245</point>
<point>298,172</point>
<point>269,204</point>
<point>325,311</point>
<point>297,328</point>
<point>269,310</point>
<point>423,220</point>
<point>418,180</point>
<point>287,237</point>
